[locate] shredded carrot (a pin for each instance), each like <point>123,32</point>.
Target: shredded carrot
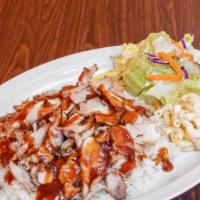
<point>172,63</point>
<point>172,54</point>
<point>175,77</point>
<point>164,77</point>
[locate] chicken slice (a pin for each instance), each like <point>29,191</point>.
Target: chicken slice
<point>87,75</point>
<point>122,140</point>
<point>81,93</point>
<point>45,154</point>
<point>39,136</point>
<point>69,172</point>
<point>69,176</point>
<point>81,137</point>
<point>105,81</point>
<point>68,146</point>
<point>70,125</point>
<point>74,119</point>
<point>110,120</point>
<point>93,106</point>
<point>77,124</point>
<point>55,136</point>
<point>65,103</point>
<point>32,115</point>
<point>66,90</point>
<point>42,109</point>
<point>52,94</point>
<point>93,163</point>
<point>66,108</point>
<point>115,100</point>
<point>13,121</point>
<point>25,109</point>
<point>129,105</point>
<point>48,107</point>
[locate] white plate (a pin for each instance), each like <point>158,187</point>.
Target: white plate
<point>64,71</point>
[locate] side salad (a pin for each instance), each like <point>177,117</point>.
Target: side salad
<point>158,69</point>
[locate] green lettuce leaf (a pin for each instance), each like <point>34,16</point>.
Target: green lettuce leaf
<point>139,65</point>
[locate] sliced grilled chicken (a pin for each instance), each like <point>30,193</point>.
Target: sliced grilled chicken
<point>93,163</point>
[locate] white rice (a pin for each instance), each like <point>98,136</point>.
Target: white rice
<point>144,129</point>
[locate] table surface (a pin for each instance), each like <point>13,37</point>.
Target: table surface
<point>36,31</point>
